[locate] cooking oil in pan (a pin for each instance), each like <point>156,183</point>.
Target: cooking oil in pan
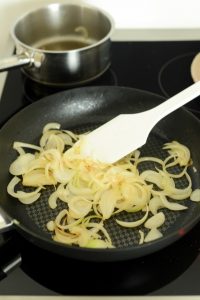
<point>62,44</point>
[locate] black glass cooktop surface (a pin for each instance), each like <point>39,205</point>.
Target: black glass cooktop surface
<point>159,67</point>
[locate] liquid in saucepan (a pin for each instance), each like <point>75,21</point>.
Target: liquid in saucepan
<point>61,44</point>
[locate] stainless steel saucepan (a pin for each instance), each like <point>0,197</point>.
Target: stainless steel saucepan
<point>62,44</point>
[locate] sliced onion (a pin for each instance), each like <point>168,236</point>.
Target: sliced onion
<point>62,193</point>
<point>21,164</point>
<point>72,135</point>
<point>152,235</point>
<point>44,138</point>
<point>100,227</point>
<point>153,177</point>
<point>155,204</point>
<point>141,241</point>
<point>181,152</point>
<point>79,207</point>
<point>51,225</point>
<point>66,138</point>
<point>83,234</point>
<point>150,158</point>
<point>107,202</point>
<point>53,156</point>
<point>37,178</point>
<point>171,205</point>
<point>78,190</point>
<point>195,195</point>
<point>49,126</point>
<point>53,200</point>
<point>64,237</point>
<point>63,217</point>
<point>179,194</point>
<point>129,193</point>
<point>96,243</point>
<point>138,195</point>
<point>18,145</point>
<point>63,175</point>
<point>168,165</point>
<point>37,163</point>
<point>155,221</point>
<point>92,189</point>
<point>134,223</point>
<point>30,199</point>
<point>20,194</point>
<point>55,142</point>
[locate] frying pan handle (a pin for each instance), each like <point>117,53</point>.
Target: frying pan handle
<point>14,62</point>
<point>10,257</point>
<point>9,266</point>
<point>9,253</point>
<point>5,223</point>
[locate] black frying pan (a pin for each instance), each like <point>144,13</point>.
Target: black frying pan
<point>81,110</point>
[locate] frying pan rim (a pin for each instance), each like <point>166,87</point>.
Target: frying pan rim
<point>173,236</point>
<point>50,98</point>
<point>120,87</point>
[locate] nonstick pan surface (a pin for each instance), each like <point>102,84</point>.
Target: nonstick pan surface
<point>80,110</point>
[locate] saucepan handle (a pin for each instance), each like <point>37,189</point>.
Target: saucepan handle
<point>15,61</point>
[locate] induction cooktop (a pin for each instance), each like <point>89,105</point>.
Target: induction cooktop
<point>159,67</point>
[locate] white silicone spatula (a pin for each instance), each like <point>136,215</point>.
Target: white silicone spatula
<point>127,132</point>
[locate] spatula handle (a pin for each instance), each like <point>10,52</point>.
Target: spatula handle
<point>177,101</point>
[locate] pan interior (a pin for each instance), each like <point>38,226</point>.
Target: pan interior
<point>64,27</point>
<point>81,110</point>
<point>40,212</point>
